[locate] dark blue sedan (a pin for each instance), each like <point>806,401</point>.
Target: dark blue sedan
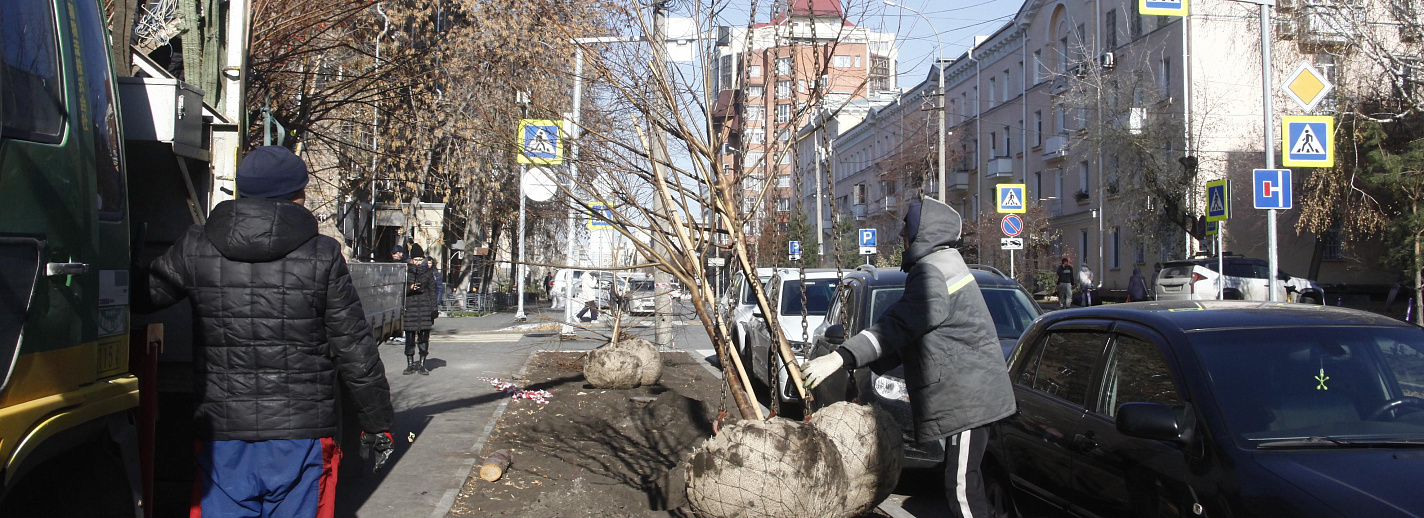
<point>1213,408</point>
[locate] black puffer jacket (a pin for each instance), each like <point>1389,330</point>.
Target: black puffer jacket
<point>943,331</point>
<point>419,304</point>
<point>278,316</point>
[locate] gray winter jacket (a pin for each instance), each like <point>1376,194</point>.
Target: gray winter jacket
<point>942,330</point>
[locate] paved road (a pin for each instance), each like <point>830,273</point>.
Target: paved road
<point>451,412</point>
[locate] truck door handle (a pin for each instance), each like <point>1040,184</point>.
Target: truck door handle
<point>61,269</point>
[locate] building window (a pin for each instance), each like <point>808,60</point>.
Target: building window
<point>1332,249</point>
<point>783,135</point>
<point>993,93</point>
<point>993,144</point>
<point>1140,255</point>
<point>1116,258</point>
<point>1009,141</point>
<point>783,89</point>
<point>1006,86</point>
<point>1083,249</point>
<point>783,113</point>
<point>1063,55</point>
<point>1038,66</point>
<point>1038,128</point>
<point>756,135</point>
<point>1165,87</point>
<point>785,159</point>
<point>754,71</point>
<point>756,113</point>
<point>1081,44</point>
<point>1060,120</point>
<point>1135,21</point>
<point>756,92</point>
<point>857,62</point>
<point>783,204</point>
<point>1083,177</point>
<point>858,194</point>
<point>783,66</point>
<point>783,181</point>
<point>753,158</point>
<point>1038,185</point>
<point>840,61</point>
<point>1110,29</point>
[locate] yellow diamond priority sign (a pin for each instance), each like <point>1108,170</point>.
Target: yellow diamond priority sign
<point>1307,86</point>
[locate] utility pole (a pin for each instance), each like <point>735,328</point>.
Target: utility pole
<point>520,269</point>
<point>1269,146</point>
<point>662,318</point>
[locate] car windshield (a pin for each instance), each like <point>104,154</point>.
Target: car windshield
<point>1011,310</point>
<point>1347,383</point>
<point>818,296</point>
<point>748,294</point>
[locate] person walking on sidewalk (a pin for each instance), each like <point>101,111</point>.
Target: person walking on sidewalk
<point>1065,284</point>
<point>278,320</point>
<point>419,311</point>
<point>1136,286</point>
<point>1085,284</point>
<point>943,331</point>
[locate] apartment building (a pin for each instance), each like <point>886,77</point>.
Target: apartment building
<point>772,77</point>
<point>1114,121</point>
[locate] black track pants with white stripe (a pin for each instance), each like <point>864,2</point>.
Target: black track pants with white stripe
<point>963,482</point>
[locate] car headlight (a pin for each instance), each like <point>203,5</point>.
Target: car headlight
<point>889,387</point>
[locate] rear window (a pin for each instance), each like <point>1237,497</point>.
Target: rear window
<point>1247,270</point>
<point>1174,271</point>
<point>1011,310</point>
<point>818,296</point>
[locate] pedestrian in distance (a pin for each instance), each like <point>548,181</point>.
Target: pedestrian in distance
<point>439,284</point>
<point>954,366</point>
<point>398,254</point>
<point>1136,286</point>
<point>588,294</point>
<point>1085,284</point>
<point>280,324</point>
<point>549,285</point>
<point>1065,284</point>
<point>420,311</point>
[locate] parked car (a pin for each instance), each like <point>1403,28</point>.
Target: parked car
<point>862,297</point>
<point>737,304</point>
<point>784,292</point>
<point>641,297</point>
<point>1213,408</point>
<point>1246,279</point>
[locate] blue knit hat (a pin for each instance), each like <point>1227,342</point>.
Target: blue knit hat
<point>271,172</point>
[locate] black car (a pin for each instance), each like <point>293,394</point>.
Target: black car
<point>1213,408</point>
<point>859,301</point>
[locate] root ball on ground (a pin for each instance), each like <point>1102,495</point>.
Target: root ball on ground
<point>871,449</point>
<point>652,362</point>
<point>777,469</point>
<point>612,368</point>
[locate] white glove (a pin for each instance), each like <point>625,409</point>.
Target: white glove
<point>816,370</point>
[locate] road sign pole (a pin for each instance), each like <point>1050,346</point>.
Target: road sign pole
<point>1011,265</point>
<point>1220,261</point>
<point>1269,146</point>
<point>519,269</point>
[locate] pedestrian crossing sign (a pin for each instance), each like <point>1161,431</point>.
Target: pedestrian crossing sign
<point>1218,201</point>
<point>1162,7</point>
<point>540,142</point>
<point>1308,141</point>
<point>1011,198</point>
<point>595,222</point>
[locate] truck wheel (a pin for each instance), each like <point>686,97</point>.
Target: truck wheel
<point>94,470</point>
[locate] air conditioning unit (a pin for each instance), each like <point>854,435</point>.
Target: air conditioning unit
<point>1107,60</point>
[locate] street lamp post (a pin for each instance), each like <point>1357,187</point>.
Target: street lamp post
<point>939,65</point>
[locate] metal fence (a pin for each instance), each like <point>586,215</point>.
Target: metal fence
<point>381,287</point>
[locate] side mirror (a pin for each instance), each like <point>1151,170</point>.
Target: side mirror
<point>1153,421</point>
<point>835,334</point>
<point>756,312</point>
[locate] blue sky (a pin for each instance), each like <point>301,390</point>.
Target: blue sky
<point>957,21</point>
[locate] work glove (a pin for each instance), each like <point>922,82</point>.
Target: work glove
<point>818,369</point>
<point>381,444</point>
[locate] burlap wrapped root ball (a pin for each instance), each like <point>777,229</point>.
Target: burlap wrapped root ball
<point>776,469</point>
<point>612,368</point>
<point>652,366</point>
<point>871,449</point>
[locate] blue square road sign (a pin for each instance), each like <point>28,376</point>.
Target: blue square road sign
<point>793,247</point>
<point>867,237</point>
<point>1271,188</point>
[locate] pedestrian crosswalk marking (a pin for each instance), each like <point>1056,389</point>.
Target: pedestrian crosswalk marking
<point>1308,143</point>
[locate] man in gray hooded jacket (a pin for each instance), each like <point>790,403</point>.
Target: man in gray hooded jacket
<point>943,332</point>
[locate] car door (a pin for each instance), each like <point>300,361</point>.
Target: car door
<point>1121,476</point>
<point>759,336</point>
<point>1051,386</point>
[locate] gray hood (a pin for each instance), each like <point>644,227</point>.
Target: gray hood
<point>930,225</point>
<point>258,230</point>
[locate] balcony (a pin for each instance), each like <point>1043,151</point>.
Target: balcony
<point>1055,147</point>
<point>1323,25</point>
<point>957,181</point>
<point>858,210</point>
<point>890,204</point>
<point>1002,167</point>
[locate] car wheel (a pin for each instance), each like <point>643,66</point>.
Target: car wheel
<point>996,489</point>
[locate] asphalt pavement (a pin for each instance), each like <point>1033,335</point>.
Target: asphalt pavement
<point>443,419</point>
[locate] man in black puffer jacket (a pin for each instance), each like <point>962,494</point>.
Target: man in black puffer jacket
<point>279,317</point>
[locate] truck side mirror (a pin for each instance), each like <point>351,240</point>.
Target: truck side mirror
<point>835,334</point>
